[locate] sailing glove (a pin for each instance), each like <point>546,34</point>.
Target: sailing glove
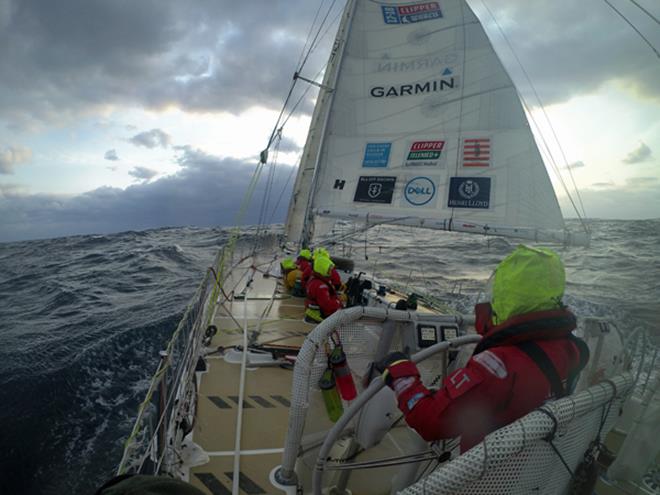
<point>396,365</point>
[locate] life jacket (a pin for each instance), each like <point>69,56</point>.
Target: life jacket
<point>502,381</point>
<point>525,331</point>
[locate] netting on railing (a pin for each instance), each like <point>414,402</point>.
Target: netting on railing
<point>517,459</point>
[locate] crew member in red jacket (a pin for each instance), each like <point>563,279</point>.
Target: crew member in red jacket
<point>335,278</point>
<point>527,356</point>
<point>322,299</point>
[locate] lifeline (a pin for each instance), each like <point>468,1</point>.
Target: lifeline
<point>412,89</point>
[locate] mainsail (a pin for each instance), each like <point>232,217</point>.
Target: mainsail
<point>423,126</point>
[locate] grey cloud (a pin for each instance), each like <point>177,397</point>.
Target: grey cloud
<point>12,156</point>
<point>289,145</point>
<point>571,48</point>
<point>619,202</point>
<point>207,191</point>
<point>574,165</point>
<point>143,173</point>
<point>603,184</point>
<point>197,56</point>
<point>640,154</point>
<point>644,182</point>
<point>111,155</point>
<point>152,139</point>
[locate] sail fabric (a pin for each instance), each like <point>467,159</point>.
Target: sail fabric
<point>426,128</point>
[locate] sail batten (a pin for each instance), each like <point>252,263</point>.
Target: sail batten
<point>425,127</point>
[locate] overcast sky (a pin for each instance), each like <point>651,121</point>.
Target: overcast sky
<point>118,115</point>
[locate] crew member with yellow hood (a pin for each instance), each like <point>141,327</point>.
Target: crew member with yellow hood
<point>322,299</point>
<point>527,355</point>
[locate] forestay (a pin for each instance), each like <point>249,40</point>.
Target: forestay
<point>425,128</point>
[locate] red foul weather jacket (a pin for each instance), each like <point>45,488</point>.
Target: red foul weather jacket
<point>500,382</point>
<point>320,291</point>
<point>335,279</point>
<point>303,266</point>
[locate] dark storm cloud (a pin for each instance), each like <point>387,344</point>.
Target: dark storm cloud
<point>59,59</point>
<point>143,173</point>
<point>206,191</point>
<point>152,139</point>
<point>111,155</point>
<point>640,154</point>
<point>572,48</point>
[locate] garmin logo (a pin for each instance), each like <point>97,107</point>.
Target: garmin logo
<point>413,89</point>
<point>416,64</point>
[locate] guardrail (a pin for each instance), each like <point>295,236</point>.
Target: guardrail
<point>167,413</point>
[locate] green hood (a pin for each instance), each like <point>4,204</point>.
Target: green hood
<point>528,280</point>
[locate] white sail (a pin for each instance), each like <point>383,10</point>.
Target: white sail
<point>425,128</point>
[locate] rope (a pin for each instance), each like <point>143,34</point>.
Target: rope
<point>657,53</point>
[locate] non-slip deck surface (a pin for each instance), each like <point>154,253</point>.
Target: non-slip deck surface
<point>279,319</point>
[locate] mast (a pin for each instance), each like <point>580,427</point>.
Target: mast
<point>299,224</point>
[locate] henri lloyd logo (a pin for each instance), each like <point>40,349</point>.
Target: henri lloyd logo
<point>424,153</point>
<point>374,189</point>
<point>469,192</point>
<point>419,191</point>
<point>446,82</point>
<point>413,12</point>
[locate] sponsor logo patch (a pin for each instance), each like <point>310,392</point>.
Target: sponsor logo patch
<point>424,153</point>
<point>411,13</point>
<point>469,192</point>
<point>447,82</point>
<point>376,154</point>
<point>476,152</point>
<point>419,191</point>
<point>374,189</point>
<point>434,62</point>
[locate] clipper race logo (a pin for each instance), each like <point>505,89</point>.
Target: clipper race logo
<point>413,12</point>
<point>469,192</point>
<point>424,153</point>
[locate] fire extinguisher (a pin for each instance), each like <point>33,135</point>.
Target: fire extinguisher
<point>342,373</point>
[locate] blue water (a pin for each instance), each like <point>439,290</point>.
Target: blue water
<point>82,320</point>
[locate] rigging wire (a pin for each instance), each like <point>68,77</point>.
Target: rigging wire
<point>547,118</point>
<point>309,34</point>
<point>655,50</point>
<point>646,11</point>
<point>288,179</point>
<point>276,134</point>
<point>318,32</point>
